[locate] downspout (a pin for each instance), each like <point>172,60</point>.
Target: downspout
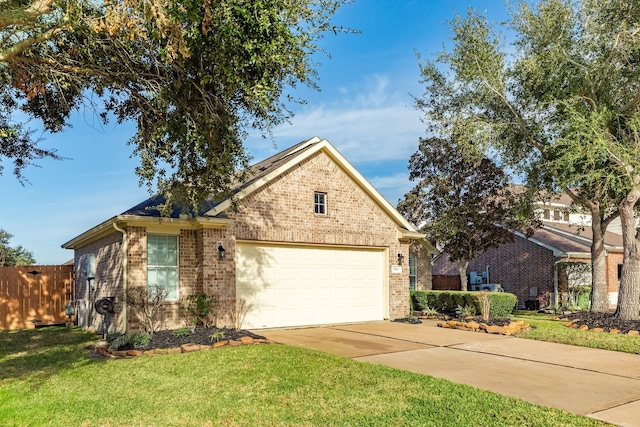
<point>125,275</point>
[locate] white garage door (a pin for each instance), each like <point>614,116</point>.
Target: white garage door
<point>300,285</point>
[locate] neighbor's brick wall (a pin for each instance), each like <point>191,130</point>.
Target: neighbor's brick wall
<point>282,211</point>
<point>107,283</point>
<point>613,259</point>
<point>442,266</point>
<point>522,268</point>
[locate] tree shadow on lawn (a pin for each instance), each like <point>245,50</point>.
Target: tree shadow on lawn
<point>36,354</point>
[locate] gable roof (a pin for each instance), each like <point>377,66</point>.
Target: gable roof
<point>564,239</point>
<point>257,176</point>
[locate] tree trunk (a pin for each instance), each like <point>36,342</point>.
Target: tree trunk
<point>462,269</point>
<point>629,292</point>
<point>599,294</point>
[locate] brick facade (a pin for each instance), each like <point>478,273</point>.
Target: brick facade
<point>424,267</point>
<point>527,270</point>
<point>522,268</point>
<point>281,211</point>
<point>614,259</point>
<point>107,283</point>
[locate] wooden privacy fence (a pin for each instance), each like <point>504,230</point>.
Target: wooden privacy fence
<point>34,292</point>
<point>446,283</point>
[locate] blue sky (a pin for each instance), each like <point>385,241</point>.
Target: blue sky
<point>364,109</point>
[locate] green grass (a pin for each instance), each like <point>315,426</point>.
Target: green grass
<point>46,379</point>
<point>544,328</point>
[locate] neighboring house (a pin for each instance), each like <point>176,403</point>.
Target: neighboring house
<point>311,242</point>
<point>528,267</point>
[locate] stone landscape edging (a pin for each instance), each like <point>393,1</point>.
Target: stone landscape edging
<point>473,326</point>
<point>573,325</point>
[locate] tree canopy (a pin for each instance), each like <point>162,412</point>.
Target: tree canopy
<point>560,105</point>
<point>193,75</point>
<point>465,205</point>
<point>13,255</point>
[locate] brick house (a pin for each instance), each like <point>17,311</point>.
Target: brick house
<point>527,267</point>
<point>311,242</point>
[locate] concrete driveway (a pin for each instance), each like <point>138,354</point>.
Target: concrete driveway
<point>597,383</point>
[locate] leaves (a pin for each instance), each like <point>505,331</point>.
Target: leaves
<point>13,255</point>
<point>560,106</point>
<point>194,76</point>
<point>463,202</point>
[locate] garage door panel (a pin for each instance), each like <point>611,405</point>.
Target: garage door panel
<point>299,285</point>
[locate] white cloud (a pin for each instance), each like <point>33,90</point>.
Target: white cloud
<point>376,124</point>
<point>375,127</point>
<point>393,187</point>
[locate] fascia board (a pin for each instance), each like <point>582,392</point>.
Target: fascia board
<point>410,235</point>
<point>417,236</point>
<point>570,255</point>
<point>103,229</point>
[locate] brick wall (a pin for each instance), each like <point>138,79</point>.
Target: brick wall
<point>522,268</point>
<point>282,211</point>
<point>423,266</point>
<point>107,283</point>
<point>613,260</point>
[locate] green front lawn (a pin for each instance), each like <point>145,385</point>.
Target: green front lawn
<point>544,328</point>
<point>46,379</point>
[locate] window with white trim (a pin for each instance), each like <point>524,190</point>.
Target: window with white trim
<point>320,203</point>
<point>412,272</point>
<point>162,264</point>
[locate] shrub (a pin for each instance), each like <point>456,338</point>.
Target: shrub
<point>140,340</point>
<point>137,340</point>
<point>200,308</point>
<point>181,332</point>
<point>216,336</point>
<point>465,311</point>
<point>145,304</point>
<point>117,341</point>
<point>501,303</point>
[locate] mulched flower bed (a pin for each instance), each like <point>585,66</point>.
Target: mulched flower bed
<point>201,336</point>
<point>605,321</point>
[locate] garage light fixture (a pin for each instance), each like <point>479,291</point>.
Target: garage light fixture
<point>400,257</point>
<point>221,251</point>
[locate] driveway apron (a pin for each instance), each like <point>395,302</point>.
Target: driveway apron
<point>597,383</point>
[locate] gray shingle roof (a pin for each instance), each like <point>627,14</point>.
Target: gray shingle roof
<point>149,207</point>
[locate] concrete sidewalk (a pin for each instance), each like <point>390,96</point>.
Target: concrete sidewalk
<point>597,383</point>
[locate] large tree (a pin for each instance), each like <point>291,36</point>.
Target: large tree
<point>560,105</point>
<point>13,255</point>
<point>463,203</point>
<point>194,75</point>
